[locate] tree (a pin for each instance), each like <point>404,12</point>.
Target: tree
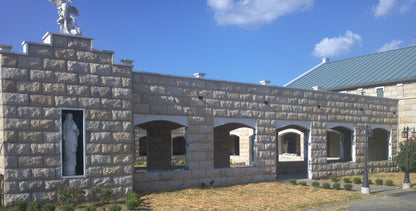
<point>401,158</point>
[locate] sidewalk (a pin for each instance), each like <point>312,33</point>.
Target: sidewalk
<point>391,198</point>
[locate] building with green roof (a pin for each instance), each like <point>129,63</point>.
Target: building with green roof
<point>389,74</point>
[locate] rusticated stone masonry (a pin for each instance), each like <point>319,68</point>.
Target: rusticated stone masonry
<point>65,72</point>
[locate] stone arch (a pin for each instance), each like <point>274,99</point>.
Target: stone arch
<point>339,144</point>
<point>378,145</point>
<point>225,135</point>
<point>160,144</point>
<point>292,147</point>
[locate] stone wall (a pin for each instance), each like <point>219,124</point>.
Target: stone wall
<point>64,72</point>
<point>202,102</point>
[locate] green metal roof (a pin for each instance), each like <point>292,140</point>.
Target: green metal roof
<point>394,66</point>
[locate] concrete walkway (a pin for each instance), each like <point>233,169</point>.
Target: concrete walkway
<point>391,198</point>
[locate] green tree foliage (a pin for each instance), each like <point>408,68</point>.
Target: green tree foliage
<point>401,158</point>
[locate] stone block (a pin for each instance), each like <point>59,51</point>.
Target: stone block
<point>29,62</point>
<point>121,70</point>
<point>107,103</point>
<point>65,101</point>
<point>64,54</point>
<point>15,124</point>
<point>53,161</point>
<point>17,174</point>
<point>44,197</point>
<point>8,60</point>
<point>112,170</point>
<point>42,75</point>
<point>94,171</point>
<point>51,137</point>
<point>123,159</point>
<point>31,186</point>
<point>15,99</point>
<point>86,56</point>
<point>113,126</point>
<point>97,91</point>
<point>54,88</point>
<point>29,112</point>
<point>102,137</point>
<point>65,77</point>
<point>53,64</point>
<point>89,103</point>
<point>94,126</point>
<point>89,79</point>
<point>122,137</point>
<point>123,181</point>
<point>43,173</point>
<point>100,69</point>
<point>28,87</point>
<point>111,81</point>
<point>9,86</point>
<point>10,111</point>
<point>11,187</point>
<point>101,182</point>
<point>122,115</point>
<point>30,137</point>
<point>105,57</point>
<point>44,124</point>
<point>121,93</point>
<point>10,199</point>
<point>45,149</point>
<point>98,115</point>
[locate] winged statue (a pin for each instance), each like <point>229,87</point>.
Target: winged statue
<point>67,22</point>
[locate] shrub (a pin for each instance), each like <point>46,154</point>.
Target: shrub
<point>347,180</point>
<point>71,195</point>
<point>48,207</point>
<point>357,180</point>
<point>326,186</point>
<point>133,195</point>
<point>335,179</point>
<point>34,206</point>
<point>103,195</point>
<point>401,158</point>
<point>90,208</point>
<point>68,207</point>
<point>292,182</point>
<point>389,182</point>
<point>315,184</point>
<point>379,182</point>
<point>336,186</point>
<point>115,207</point>
<point>132,203</point>
<point>20,205</point>
<point>303,183</point>
<point>370,181</point>
<point>348,186</point>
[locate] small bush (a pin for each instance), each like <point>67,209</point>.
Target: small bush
<point>20,205</point>
<point>326,186</point>
<point>68,207</point>
<point>133,195</point>
<point>335,179</point>
<point>292,182</point>
<point>357,180</point>
<point>315,184</point>
<point>103,195</point>
<point>348,186</point>
<point>370,181</point>
<point>34,206</point>
<point>379,182</point>
<point>48,207</point>
<point>389,183</point>
<point>303,183</point>
<point>132,203</point>
<point>90,208</point>
<point>347,180</point>
<point>71,195</point>
<point>115,207</point>
<point>336,186</point>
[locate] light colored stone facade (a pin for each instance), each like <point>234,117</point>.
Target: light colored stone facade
<point>404,92</point>
<point>65,72</point>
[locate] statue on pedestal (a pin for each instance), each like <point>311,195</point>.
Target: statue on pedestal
<point>66,20</point>
<point>71,133</point>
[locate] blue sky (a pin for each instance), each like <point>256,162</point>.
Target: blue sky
<point>234,40</point>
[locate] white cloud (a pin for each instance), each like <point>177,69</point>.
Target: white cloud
<point>254,12</point>
<point>386,7</point>
<point>395,44</point>
<point>333,47</point>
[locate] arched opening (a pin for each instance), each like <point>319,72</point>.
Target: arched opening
<point>292,150</point>
<point>233,145</point>
<point>161,145</point>
<point>378,145</point>
<point>339,144</point>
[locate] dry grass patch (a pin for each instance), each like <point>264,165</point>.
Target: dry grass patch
<point>259,196</point>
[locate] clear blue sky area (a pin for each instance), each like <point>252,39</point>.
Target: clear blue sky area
<point>233,40</point>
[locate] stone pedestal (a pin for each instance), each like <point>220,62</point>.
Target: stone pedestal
<point>407,185</point>
<point>365,190</point>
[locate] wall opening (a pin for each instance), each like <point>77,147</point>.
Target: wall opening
<point>233,146</point>
<point>378,145</point>
<point>72,142</point>
<point>160,145</point>
<point>292,150</point>
<point>339,145</point>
